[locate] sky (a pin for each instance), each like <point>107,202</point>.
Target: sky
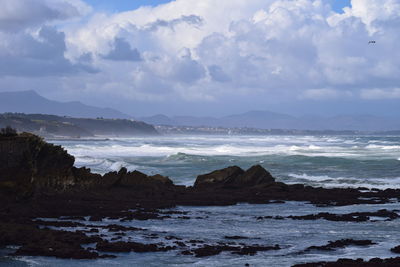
<point>206,57</point>
<point>126,5</point>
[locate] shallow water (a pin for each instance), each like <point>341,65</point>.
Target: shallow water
<point>329,161</point>
<point>217,222</point>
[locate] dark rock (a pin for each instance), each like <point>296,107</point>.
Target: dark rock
<point>255,176</point>
<point>375,262</point>
<point>332,245</point>
<point>395,250</point>
<point>187,252</point>
<point>29,165</point>
<point>129,247</point>
<point>46,242</point>
<point>211,250</point>
<point>180,243</point>
<point>349,217</point>
<point>218,178</point>
<point>252,250</point>
<point>235,178</point>
<point>117,228</point>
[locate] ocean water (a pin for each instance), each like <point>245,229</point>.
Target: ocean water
<point>328,161</point>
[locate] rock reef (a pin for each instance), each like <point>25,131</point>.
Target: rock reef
<point>39,180</point>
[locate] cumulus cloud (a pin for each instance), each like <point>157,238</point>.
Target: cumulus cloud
<point>218,74</point>
<point>31,46</point>
<point>208,50</point>
<point>39,54</point>
<point>122,51</point>
<point>20,14</point>
<point>191,20</point>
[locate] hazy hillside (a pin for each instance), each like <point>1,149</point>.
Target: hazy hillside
<point>32,102</point>
<point>51,125</point>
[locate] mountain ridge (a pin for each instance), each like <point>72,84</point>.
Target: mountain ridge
<point>30,102</point>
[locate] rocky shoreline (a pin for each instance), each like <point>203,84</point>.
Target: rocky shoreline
<point>38,180</point>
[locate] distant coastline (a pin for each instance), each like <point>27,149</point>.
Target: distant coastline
<point>61,127</point>
<point>206,130</point>
<point>52,126</point>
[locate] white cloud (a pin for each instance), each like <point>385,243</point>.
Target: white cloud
<point>31,44</point>
<point>373,94</point>
<point>122,51</point>
<point>20,14</point>
<point>206,50</point>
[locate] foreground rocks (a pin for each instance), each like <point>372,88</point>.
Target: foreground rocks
<point>211,250</point>
<point>235,178</point>
<point>333,245</point>
<point>33,170</point>
<point>375,262</point>
<point>38,180</point>
<point>387,215</point>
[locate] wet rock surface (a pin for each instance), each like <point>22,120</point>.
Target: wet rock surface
<point>333,245</point>
<point>349,217</point>
<point>106,246</point>
<point>375,262</point>
<point>211,250</point>
<point>396,250</point>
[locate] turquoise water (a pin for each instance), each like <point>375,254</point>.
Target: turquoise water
<point>340,161</point>
<point>329,161</point>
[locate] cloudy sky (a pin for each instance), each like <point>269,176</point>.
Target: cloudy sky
<point>206,57</point>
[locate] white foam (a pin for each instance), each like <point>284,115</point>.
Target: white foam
<point>394,147</point>
<point>116,166</point>
<point>316,178</point>
<point>327,181</point>
<point>154,150</point>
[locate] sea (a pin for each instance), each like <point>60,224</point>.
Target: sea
<point>320,161</point>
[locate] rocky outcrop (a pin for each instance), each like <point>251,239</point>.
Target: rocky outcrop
<point>218,178</point>
<point>395,250</point>
<point>43,176</point>
<point>122,178</point>
<point>28,164</point>
<point>374,262</point>
<point>234,177</point>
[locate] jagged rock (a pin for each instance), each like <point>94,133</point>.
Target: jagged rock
<point>85,178</point>
<point>254,176</point>
<point>138,179</point>
<point>122,178</point>
<point>332,245</point>
<point>121,246</point>
<point>28,164</point>
<point>218,178</point>
<point>374,262</point>
<point>395,250</point>
<point>235,177</point>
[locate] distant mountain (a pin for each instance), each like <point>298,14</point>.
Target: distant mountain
<point>271,120</point>
<point>32,102</point>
